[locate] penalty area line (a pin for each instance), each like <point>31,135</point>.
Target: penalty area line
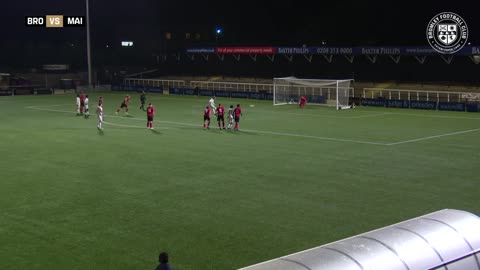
<point>130,126</point>
<point>373,115</point>
<point>54,105</point>
<point>433,137</point>
<point>315,137</point>
<point>248,130</point>
<point>108,123</point>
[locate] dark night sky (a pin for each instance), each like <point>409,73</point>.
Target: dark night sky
<point>245,22</point>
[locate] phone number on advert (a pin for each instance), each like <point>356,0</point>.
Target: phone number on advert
<point>335,50</point>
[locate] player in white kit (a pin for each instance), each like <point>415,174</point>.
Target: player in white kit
<point>78,104</point>
<point>87,113</point>
<point>231,116</point>
<point>212,105</point>
<point>100,116</point>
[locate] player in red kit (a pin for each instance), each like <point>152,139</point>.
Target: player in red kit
<point>150,114</point>
<point>303,101</point>
<point>206,118</point>
<point>124,104</point>
<point>238,113</point>
<point>100,101</point>
<point>82,102</point>
<point>220,116</point>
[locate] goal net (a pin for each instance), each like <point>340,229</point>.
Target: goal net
<point>335,93</point>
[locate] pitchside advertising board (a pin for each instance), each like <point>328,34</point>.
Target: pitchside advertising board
<point>54,21</point>
<point>414,51</point>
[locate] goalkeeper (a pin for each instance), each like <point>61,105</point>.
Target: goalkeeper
<point>303,101</point>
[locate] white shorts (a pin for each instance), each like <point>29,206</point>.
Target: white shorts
<point>100,118</point>
<point>86,107</point>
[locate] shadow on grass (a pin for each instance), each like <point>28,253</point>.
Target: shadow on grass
<point>214,130</point>
<point>100,132</point>
<point>189,128</point>
<point>233,132</point>
<point>248,132</point>
<point>156,132</point>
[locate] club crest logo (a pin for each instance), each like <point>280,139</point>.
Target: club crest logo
<point>447,33</point>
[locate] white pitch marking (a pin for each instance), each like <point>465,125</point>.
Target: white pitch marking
<point>129,126</point>
<point>319,115</point>
<point>438,116</point>
<point>200,99</point>
<point>118,125</point>
<point>314,137</point>
<point>373,115</point>
<point>433,137</point>
<point>116,116</point>
<point>291,134</point>
<point>56,105</point>
<point>258,131</point>
<point>353,117</point>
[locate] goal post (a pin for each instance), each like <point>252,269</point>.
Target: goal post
<point>334,93</point>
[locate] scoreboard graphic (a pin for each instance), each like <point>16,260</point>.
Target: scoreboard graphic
<point>55,21</point>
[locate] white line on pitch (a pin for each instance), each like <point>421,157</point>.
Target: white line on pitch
<point>314,137</point>
<point>320,115</point>
<point>129,126</point>
<point>332,116</point>
<point>366,116</point>
<point>200,99</point>
<point>118,125</point>
<point>231,100</point>
<point>438,116</point>
<point>433,137</point>
<point>55,105</point>
<point>257,131</point>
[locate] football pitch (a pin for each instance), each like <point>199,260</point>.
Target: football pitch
<point>74,197</point>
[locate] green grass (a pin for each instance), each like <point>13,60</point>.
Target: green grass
<point>74,198</point>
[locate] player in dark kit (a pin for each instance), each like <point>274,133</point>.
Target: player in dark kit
<point>143,99</point>
<point>238,113</point>
<point>206,118</point>
<point>150,114</point>
<point>220,116</point>
<point>163,259</point>
<point>124,104</point>
<point>100,101</point>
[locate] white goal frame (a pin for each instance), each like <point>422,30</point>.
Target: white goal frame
<point>334,93</point>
